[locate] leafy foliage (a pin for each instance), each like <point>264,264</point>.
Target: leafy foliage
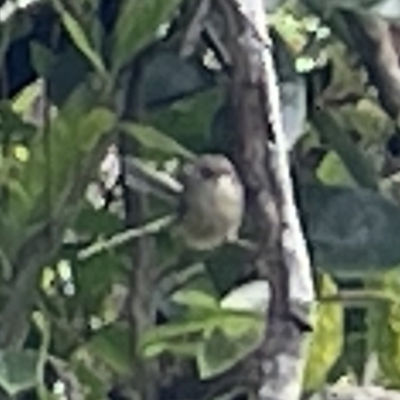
<point>76,84</point>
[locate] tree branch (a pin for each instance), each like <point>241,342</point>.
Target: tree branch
<point>138,303</point>
<point>261,157</point>
<point>374,44</point>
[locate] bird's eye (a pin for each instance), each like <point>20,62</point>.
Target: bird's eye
<point>207,172</point>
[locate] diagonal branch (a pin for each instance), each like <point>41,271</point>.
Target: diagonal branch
<point>373,41</point>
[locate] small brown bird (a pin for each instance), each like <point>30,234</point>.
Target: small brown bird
<point>212,202</point>
<point>209,198</point>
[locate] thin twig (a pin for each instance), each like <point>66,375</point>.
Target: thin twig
<point>125,236</point>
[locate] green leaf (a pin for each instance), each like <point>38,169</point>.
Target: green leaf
<point>172,331</point>
<point>383,322</point>
<point>18,370</point>
<point>151,138</point>
<point>111,345</point>
<point>332,132</point>
<point>68,71</point>
<point>79,102</point>
<point>136,24</point>
<point>94,279</point>
<point>190,121</point>
<point>216,354</point>
<point>24,99</point>
<point>91,222</point>
<point>227,267</point>
<point>352,232</point>
<point>367,118</point>
<point>242,330</point>
<point>332,171</point>
<point>219,352</point>
<point>12,127</point>
<point>326,339</point>
<point>243,324</point>
<point>183,347</point>
<point>94,381</point>
<point>252,296</point>
<point>80,38</point>
<point>99,120</point>
<point>195,299</point>
<point>168,77</point>
<point>41,58</point>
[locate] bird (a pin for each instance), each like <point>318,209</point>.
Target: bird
<point>208,196</point>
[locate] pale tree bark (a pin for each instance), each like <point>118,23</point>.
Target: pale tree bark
<point>357,393</point>
<point>261,155</point>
